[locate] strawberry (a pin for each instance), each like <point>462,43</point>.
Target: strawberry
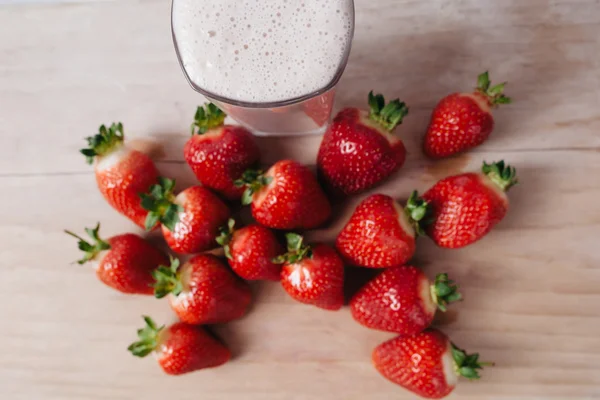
<point>121,173</point>
<point>286,197</point>
<point>427,363</point>
<point>190,221</point>
<point>180,348</point>
<point>461,121</point>
<point>250,251</point>
<point>203,290</point>
<point>465,207</point>
<point>219,154</point>
<point>358,149</point>
<point>402,300</point>
<point>312,274</point>
<point>123,262</point>
<point>380,233</point>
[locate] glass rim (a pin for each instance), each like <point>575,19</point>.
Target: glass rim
<point>272,104</point>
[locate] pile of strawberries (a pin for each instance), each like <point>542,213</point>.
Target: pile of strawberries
<point>358,151</point>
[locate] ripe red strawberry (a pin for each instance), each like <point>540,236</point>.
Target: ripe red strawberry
<point>465,207</point>
<point>180,348</point>
<point>287,196</point>
<point>312,274</point>
<point>380,233</point>
<point>358,150</point>
<point>203,290</point>
<point>250,251</point>
<point>121,173</point>
<point>190,221</point>
<point>219,154</point>
<point>461,121</point>
<point>123,262</point>
<point>402,300</point>
<point>427,363</point>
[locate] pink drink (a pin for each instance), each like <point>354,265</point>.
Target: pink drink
<point>271,65</point>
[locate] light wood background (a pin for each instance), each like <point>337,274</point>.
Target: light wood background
<point>532,287</point>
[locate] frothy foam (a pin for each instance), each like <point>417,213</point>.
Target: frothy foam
<point>265,51</point>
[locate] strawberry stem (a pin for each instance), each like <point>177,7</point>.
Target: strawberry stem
<point>207,117</point>
<point>297,250</point>
<point>90,250</point>
<point>225,235</point>
<point>160,204</point>
<point>148,336</point>
<point>503,175</point>
<point>444,291</point>
<point>418,212</point>
<point>494,94</point>
<point>104,142</point>
<point>167,280</point>
<point>387,115</point>
<point>253,180</point>
<point>467,364</point>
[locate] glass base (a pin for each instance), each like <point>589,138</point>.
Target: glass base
<point>309,117</point>
<point>319,131</point>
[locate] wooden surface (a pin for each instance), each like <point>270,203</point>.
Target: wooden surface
<point>532,287</point>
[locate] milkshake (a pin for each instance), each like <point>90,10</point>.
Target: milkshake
<point>272,65</point>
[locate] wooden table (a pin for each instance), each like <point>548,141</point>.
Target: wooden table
<point>532,287</point>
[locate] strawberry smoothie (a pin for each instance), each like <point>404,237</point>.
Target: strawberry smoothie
<point>271,65</point>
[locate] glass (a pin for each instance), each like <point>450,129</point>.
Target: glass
<point>307,114</point>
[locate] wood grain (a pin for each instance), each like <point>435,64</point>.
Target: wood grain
<point>531,288</point>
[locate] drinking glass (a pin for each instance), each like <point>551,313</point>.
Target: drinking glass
<point>304,115</point>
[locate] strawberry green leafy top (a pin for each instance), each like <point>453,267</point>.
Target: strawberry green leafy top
<point>167,279</point>
<point>207,117</point>
<point>148,336</point>
<point>444,291</point>
<point>104,142</point>
<point>387,115</point>
<point>253,180</point>
<point>418,212</point>
<point>297,250</point>
<point>467,364</point>
<point>501,174</point>
<point>494,94</point>
<point>225,235</point>
<point>91,250</point>
<point>160,203</point>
